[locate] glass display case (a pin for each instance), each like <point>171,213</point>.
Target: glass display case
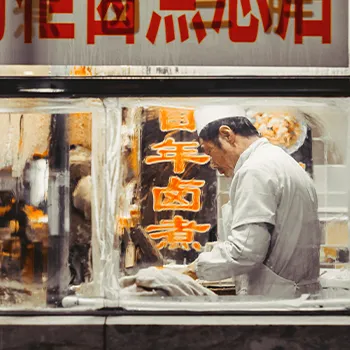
<point>107,196</point>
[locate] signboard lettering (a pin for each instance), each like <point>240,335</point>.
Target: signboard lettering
<point>176,217</point>
<point>298,33</point>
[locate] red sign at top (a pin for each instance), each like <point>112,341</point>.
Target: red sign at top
<point>125,21</point>
<point>239,33</point>
<point>299,33</point>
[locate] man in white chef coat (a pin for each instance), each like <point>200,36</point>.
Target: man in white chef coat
<point>271,222</point>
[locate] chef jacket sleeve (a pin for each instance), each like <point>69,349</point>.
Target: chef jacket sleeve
<point>254,197</point>
<point>245,248</point>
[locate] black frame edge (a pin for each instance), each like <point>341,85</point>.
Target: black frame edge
<point>155,86</point>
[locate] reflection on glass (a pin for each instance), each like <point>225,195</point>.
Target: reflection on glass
<point>32,215</point>
<point>179,197</point>
<point>125,210</point>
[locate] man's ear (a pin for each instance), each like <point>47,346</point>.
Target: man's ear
<point>226,133</point>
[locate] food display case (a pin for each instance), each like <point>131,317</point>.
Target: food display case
<point>110,199</point>
<point>102,179</point>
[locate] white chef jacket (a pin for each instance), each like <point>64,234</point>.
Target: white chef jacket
<point>272,226</point>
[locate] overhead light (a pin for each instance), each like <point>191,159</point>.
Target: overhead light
<point>42,90</point>
<point>28,72</point>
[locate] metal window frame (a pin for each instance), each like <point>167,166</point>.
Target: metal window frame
<point>155,86</point>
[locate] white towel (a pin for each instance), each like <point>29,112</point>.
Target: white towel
<point>164,282</point>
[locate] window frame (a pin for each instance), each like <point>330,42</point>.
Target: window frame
<point>180,87</point>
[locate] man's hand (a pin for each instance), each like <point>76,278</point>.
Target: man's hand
<point>191,270</point>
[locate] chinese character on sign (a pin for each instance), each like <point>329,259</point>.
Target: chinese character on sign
<point>174,119</point>
<point>55,30</point>
<point>320,27</point>
<point>177,233</point>
<point>276,10</point>
<point>174,196</point>
<point>125,21</point>
<point>178,153</point>
<point>41,11</point>
<point>218,21</point>
<point>284,9</point>
<point>247,34</point>
<point>186,194</point>
<point>179,5</point>
<point>237,33</point>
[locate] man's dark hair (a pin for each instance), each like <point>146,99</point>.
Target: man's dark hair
<point>239,125</point>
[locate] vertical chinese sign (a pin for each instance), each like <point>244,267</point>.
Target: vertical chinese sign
<point>178,195</point>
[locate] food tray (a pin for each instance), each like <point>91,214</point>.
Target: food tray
<point>295,125</point>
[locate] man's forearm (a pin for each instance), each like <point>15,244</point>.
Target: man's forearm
<point>246,248</point>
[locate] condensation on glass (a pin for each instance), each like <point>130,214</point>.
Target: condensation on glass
<point>96,192</point>
<point>45,197</point>
<point>321,149</point>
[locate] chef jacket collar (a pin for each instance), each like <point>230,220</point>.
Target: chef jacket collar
<point>246,154</point>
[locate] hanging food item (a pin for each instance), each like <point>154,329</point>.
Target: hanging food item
<point>284,128</point>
